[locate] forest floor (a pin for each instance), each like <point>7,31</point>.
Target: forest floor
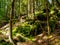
<point>41,39</point>
<point>53,39</point>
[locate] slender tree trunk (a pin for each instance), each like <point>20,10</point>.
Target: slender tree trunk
<point>52,2</point>
<point>28,6</point>
<point>34,7</point>
<point>6,9</point>
<point>19,10</point>
<point>32,13</point>
<point>47,13</point>
<point>11,17</point>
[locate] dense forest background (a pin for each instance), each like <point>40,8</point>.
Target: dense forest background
<point>30,22</point>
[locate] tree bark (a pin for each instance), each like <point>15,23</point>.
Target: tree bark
<point>34,7</point>
<point>52,2</point>
<point>32,13</point>
<point>6,9</point>
<point>28,7</point>
<point>47,13</point>
<point>19,10</point>
<point>11,17</point>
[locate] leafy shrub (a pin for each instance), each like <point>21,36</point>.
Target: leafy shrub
<point>28,29</point>
<point>52,23</point>
<point>24,28</point>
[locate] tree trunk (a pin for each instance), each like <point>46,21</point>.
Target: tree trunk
<point>28,7</point>
<point>52,2</point>
<point>32,14</point>
<point>19,11</point>
<point>6,9</point>
<point>11,17</point>
<point>47,13</point>
<point>34,7</point>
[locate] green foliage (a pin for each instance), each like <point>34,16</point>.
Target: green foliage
<point>58,15</point>
<point>2,42</point>
<point>28,29</point>
<point>40,15</point>
<point>52,24</point>
<point>21,39</point>
<point>31,27</point>
<point>24,28</point>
